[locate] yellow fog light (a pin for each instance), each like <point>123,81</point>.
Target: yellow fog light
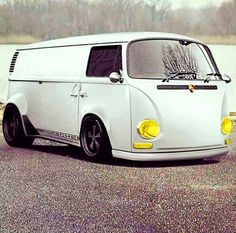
<point>228,141</point>
<point>226,125</point>
<point>146,145</point>
<point>148,129</point>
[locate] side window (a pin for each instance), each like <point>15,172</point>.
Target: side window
<point>103,60</point>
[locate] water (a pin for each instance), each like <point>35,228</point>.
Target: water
<point>225,56</point>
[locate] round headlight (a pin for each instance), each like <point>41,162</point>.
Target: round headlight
<point>148,129</point>
<point>226,125</point>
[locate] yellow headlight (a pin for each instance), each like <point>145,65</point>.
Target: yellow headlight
<point>226,125</point>
<point>148,129</point>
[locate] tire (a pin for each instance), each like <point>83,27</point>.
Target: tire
<point>94,139</point>
<point>13,129</point>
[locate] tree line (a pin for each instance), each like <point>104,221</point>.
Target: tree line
<point>48,19</point>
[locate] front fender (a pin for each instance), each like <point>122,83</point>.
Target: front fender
<point>99,112</point>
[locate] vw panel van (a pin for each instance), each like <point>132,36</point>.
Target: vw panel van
<point>137,96</point>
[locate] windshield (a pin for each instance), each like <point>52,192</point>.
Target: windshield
<point>168,58</point>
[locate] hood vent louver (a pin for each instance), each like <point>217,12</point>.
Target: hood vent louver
<point>13,62</point>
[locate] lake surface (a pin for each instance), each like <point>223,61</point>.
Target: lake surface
<point>225,56</point>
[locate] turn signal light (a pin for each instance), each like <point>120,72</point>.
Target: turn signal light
<point>228,141</point>
<point>146,145</point>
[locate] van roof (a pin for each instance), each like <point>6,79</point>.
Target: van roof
<point>123,37</point>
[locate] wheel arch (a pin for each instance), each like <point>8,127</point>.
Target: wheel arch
<point>9,104</point>
<point>102,120</point>
<point>19,138</point>
<point>20,102</point>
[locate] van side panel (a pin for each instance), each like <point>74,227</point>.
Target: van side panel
<point>111,103</point>
<point>58,63</point>
<point>49,79</point>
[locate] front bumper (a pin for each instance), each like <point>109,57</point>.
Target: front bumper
<point>173,155</point>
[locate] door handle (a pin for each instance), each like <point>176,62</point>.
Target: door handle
<point>74,91</point>
<point>74,95</point>
<point>84,94</point>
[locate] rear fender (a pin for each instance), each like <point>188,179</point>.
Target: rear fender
<point>20,102</point>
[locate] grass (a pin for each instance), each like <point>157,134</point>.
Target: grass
<point>225,40</point>
<point>18,39</point>
<point>28,39</point>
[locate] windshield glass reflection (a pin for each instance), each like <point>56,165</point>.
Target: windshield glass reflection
<point>168,58</point>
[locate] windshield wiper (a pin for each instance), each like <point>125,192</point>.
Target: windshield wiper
<point>175,74</point>
<point>210,75</point>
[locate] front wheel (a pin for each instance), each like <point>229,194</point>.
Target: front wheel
<point>94,139</point>
<point>12,128</point>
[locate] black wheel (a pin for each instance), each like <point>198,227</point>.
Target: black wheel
<point>13,129</point>
<point>94,139</point>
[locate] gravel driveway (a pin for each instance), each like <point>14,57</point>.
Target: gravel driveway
<point>50,188</point>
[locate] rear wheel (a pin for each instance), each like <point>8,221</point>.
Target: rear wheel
<point>94,139</point>
<point>13,129</point>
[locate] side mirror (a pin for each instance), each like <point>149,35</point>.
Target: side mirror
<point>226,78</point>
<point>116,77</point>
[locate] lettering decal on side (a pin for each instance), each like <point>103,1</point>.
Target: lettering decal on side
<point>54,134</point>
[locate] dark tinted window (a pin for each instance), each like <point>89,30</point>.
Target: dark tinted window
<point>104,60</point>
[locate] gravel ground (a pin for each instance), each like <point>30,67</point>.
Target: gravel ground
<point>51,188</point>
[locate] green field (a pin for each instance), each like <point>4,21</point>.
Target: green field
<point>18,39</point>
<point>225,40</point>
<point>27,39</point>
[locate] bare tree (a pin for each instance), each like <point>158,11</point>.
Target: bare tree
<point>159,11</point>
<point>47,19</point>
<point>227,18</point>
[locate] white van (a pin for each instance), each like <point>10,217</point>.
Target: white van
<point>137,96</point>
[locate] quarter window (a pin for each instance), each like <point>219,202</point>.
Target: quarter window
<point>103,60</point>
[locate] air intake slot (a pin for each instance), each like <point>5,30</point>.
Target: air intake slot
<point>13,62</point>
